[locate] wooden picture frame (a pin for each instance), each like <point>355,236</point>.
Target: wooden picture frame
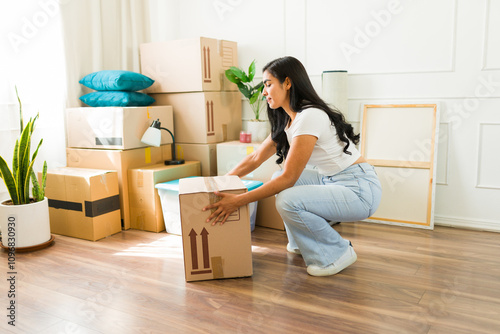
<point>400,141</point>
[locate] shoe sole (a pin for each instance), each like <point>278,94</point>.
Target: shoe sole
<point>334,270</point>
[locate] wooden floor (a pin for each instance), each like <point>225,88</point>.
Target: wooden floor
<point>405,281</point>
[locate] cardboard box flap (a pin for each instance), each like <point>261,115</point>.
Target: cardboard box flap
<point>210,184</point>
<point>80,172</point>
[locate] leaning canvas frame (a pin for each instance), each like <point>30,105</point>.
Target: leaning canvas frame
<point>400,140</point>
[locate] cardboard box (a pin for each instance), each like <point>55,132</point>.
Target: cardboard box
<point>219,251</point>
<point>115,127</point>
<point>121,161</point>
<point>206,154</point>
<point>188,65</point>
<point>83,203</point>
<point>145,205</point>
<point>229,154</point>
<point>204,117</point>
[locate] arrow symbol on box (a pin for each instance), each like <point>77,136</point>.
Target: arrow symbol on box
<point>194,249</point>
<point>204,245</point>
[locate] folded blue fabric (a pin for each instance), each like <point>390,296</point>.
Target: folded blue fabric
<point>116,80</point>
<point>117,99</point>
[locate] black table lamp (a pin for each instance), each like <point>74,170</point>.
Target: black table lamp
<point>152,137</point>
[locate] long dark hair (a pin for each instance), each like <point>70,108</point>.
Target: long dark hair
<point>302,96</point>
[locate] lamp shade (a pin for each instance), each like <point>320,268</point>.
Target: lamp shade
<point>152,137</point>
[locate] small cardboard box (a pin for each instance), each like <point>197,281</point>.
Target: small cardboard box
<point>205,153</point>
<point>145,205</point>
<point>83,203</point>
<point>219,251</point>
<point>188,65</point>
<point>117,128</point>
<point>229,154</point>
<point>121,161</point>
<point>204,117</point>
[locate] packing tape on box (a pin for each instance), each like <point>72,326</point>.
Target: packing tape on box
<point>217,268</point>
<point>92,208</point>
<point>212,187</point>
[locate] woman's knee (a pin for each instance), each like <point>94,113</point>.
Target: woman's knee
<point>285,202</point>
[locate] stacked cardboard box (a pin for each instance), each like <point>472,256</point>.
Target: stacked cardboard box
<point>110,138</point>
<point>145,205</point>
<point>189,76</point>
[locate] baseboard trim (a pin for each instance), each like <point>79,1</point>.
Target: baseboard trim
<point>476,224</point>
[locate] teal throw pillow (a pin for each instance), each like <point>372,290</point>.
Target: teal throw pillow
<point>117,99</point>
<point>116,80</point>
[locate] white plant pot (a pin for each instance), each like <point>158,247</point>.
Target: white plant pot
<point>28,224</point>
<point>259,130</point>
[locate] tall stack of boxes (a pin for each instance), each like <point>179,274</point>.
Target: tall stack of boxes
<point>110,138</point>
<point>189,76</point>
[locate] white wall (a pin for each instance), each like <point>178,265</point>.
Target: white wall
<point>395,51</point>
<point>31,58</point>
<point>404,51</point>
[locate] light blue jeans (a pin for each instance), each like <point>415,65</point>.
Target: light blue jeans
<point>307,207</point>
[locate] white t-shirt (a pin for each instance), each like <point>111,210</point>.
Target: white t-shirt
<point>328,155</point>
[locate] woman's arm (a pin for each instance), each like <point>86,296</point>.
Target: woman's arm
<point>252,161</point>
<point>298,156</point>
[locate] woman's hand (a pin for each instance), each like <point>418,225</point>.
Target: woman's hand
<point>222,209</point>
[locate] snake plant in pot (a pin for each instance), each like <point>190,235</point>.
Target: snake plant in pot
<point>24,218</point>
<point>253,94</point>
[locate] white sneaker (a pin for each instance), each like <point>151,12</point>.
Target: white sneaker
<point>292,250</point>
<point>348,258</point>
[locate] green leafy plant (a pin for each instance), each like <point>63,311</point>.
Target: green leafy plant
<point>17,179</point>
<point>252,92</point>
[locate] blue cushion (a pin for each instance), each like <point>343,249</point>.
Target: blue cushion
<point>116,80</point>
<point>117,99</point>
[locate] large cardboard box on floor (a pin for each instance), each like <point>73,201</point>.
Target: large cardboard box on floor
<point>145,205</point>
<point>121,161</point>
<point>229,154</point>
<point>188,65</point>
<point>204,117</point>
<point>83,203</point>
<point>119,128</point>
<point>219,251</point>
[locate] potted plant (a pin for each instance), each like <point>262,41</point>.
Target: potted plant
<point>24,219</point>
<point>253,94</point>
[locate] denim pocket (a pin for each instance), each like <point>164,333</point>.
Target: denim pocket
<point>348,180</point>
